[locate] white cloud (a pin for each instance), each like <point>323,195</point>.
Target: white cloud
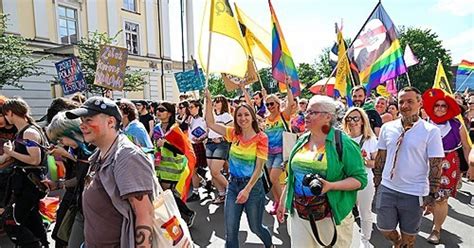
<point>455,7</point>
<point>461,45</point>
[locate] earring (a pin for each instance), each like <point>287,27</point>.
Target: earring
<point>325,129</point>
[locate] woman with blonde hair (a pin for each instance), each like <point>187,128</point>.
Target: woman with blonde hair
<point>357,125</point>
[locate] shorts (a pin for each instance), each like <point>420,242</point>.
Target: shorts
<point>200,152</point>
<point>275,161</point>
<point>398,208</point>
<point>218,151</point>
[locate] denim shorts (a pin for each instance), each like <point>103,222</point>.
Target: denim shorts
<point>275,161</point>
<point>218,151</point>
<point>398,208</point>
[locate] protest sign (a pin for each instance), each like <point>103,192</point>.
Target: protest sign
<point>232,82</point>
<point>111,66</point>
<point>70,76</point>
<point>189,81</point>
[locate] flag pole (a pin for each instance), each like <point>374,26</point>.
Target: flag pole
<point>209,48</point>
<point>465,80</point>
<point>256,69</point>
<point>352,42</point>
<point>408,78</point>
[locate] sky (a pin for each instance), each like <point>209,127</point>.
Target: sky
<point>308,25</point>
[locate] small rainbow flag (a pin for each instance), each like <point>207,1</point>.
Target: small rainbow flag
<point>465,68</point>
<point>283,66</point>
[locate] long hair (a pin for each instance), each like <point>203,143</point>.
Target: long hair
<point>367,132</point>
<point>197,104</point>
<point>171,108</point>
<point>238,129</point>
<point>61,126</point>
<point>19,108</point>
<point>225,104</point>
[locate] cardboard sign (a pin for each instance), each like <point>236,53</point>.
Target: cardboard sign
<point>70,76</point>
<point>232,82</point>
<point>111,67</point>
<point>189,81</point>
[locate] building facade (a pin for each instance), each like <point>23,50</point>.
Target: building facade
<point>53,27</point>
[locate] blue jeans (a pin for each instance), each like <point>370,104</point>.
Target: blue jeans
<point>254,208</point>
<point>275,161</point>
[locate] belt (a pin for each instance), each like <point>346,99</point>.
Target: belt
<point>239,179</point>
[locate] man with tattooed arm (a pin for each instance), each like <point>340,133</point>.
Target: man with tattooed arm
<point>117,207</point>
<point>407,171</point>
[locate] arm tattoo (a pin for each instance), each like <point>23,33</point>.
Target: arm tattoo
<point>379,165</point>
<point>142,234</point>
<point>435,174</point>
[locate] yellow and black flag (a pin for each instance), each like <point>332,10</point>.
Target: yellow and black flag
<point>441,81</point>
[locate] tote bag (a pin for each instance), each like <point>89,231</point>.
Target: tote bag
<point>170,230</point>
<point>289,140</point>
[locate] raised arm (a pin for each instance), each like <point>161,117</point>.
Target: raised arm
<point>290,100</point>
<point>211,123</point>
<point>248,99</point>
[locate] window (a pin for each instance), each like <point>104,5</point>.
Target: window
<point>67,25</point>
<point>131,37</point>
<point>129,5</point>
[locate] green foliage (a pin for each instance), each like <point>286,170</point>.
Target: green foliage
<point>15,58</point>
<point>428,48</point>
<point>89,49</point>
<point>216,87</point>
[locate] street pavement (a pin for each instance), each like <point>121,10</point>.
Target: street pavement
<point>208,229</point>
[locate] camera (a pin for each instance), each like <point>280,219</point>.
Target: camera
<point>314,183</point>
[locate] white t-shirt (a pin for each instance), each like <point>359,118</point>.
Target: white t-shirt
<point>197,122</point>
<point>369,147</point>
<point>224,119</point>
<point>421,142</point>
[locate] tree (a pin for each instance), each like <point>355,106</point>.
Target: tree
<point>15,58</point>
<point>308,76</point>
<point>89,49</point>
<point>216,87</point>
<point>428,49</point>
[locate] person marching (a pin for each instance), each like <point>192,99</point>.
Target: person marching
<point>325,170</point>
<point>442,110</point>
<point>248,152</point>
<point>356,124</point>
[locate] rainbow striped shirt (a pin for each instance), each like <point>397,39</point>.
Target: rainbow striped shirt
<point>305,162</point>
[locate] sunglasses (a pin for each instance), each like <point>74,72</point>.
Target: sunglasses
<point>191,107</point>
<point>181,107</point>
<point>471,103</point>
<point>270,104</point>
<point>161,110</point>
<point>352,118</point>
<point>443,106</point>
<point>302,103</point>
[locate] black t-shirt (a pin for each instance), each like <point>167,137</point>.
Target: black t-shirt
<point>374,119</point>
<point>145,120</point>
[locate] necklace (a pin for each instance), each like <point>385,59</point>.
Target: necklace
<point>107,152</point>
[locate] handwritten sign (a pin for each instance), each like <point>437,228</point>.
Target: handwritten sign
<point>70,76</point>
<point>111,66</point>
<point>189,81</point>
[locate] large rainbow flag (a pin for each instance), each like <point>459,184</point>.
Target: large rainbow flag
<point>282,62</point>
<point>376,51</point>
<point>465,68</point>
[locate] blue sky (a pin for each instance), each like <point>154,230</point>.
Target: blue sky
<point>308,25</point>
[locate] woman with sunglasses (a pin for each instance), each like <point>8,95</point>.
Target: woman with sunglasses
<point>442,110</point>
<point>276,123</point>
<point>168,161</point>
<point>183,113</point>
<point>325,170</point>
<point>357,125</point>
<point>197,133</point>
<point>217,148</point>
<point>248,152</point>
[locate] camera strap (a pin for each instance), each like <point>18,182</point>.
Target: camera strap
<point>314,228</point>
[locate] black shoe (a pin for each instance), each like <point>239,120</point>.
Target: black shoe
<point>194,197</point>
<point>190,219</point>
<point>208,186</point>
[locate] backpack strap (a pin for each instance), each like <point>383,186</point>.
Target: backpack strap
<point>285,124</point>
<point>338,141</point>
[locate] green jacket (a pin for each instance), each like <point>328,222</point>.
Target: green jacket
<point>352,165</point>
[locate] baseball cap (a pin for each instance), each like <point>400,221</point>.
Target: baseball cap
<point>96,105</point>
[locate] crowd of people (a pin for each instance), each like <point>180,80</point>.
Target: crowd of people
<point>117,156</point>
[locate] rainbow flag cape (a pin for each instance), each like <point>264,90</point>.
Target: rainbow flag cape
<point>376,51</point>
<point>176,137</point>
<point>465,68</point>
<point>283,66</point>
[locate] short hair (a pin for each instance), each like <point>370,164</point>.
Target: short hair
<point>79,98</point>
<point>58,105</point>
<point>129,109</point>
<point>303,100</point>
<point>275,98</point>
<point>325,103</point>
<point>359,87</point>
<point>259,93</point>
<point>411,89</point>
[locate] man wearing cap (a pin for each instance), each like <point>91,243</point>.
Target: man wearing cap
<point>116,201</point>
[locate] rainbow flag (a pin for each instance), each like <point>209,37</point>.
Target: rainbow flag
<point>465,68</point>
<point>376,51</point>
<point>283,66</point>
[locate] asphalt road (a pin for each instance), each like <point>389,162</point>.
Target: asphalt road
<point>208,229</point>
